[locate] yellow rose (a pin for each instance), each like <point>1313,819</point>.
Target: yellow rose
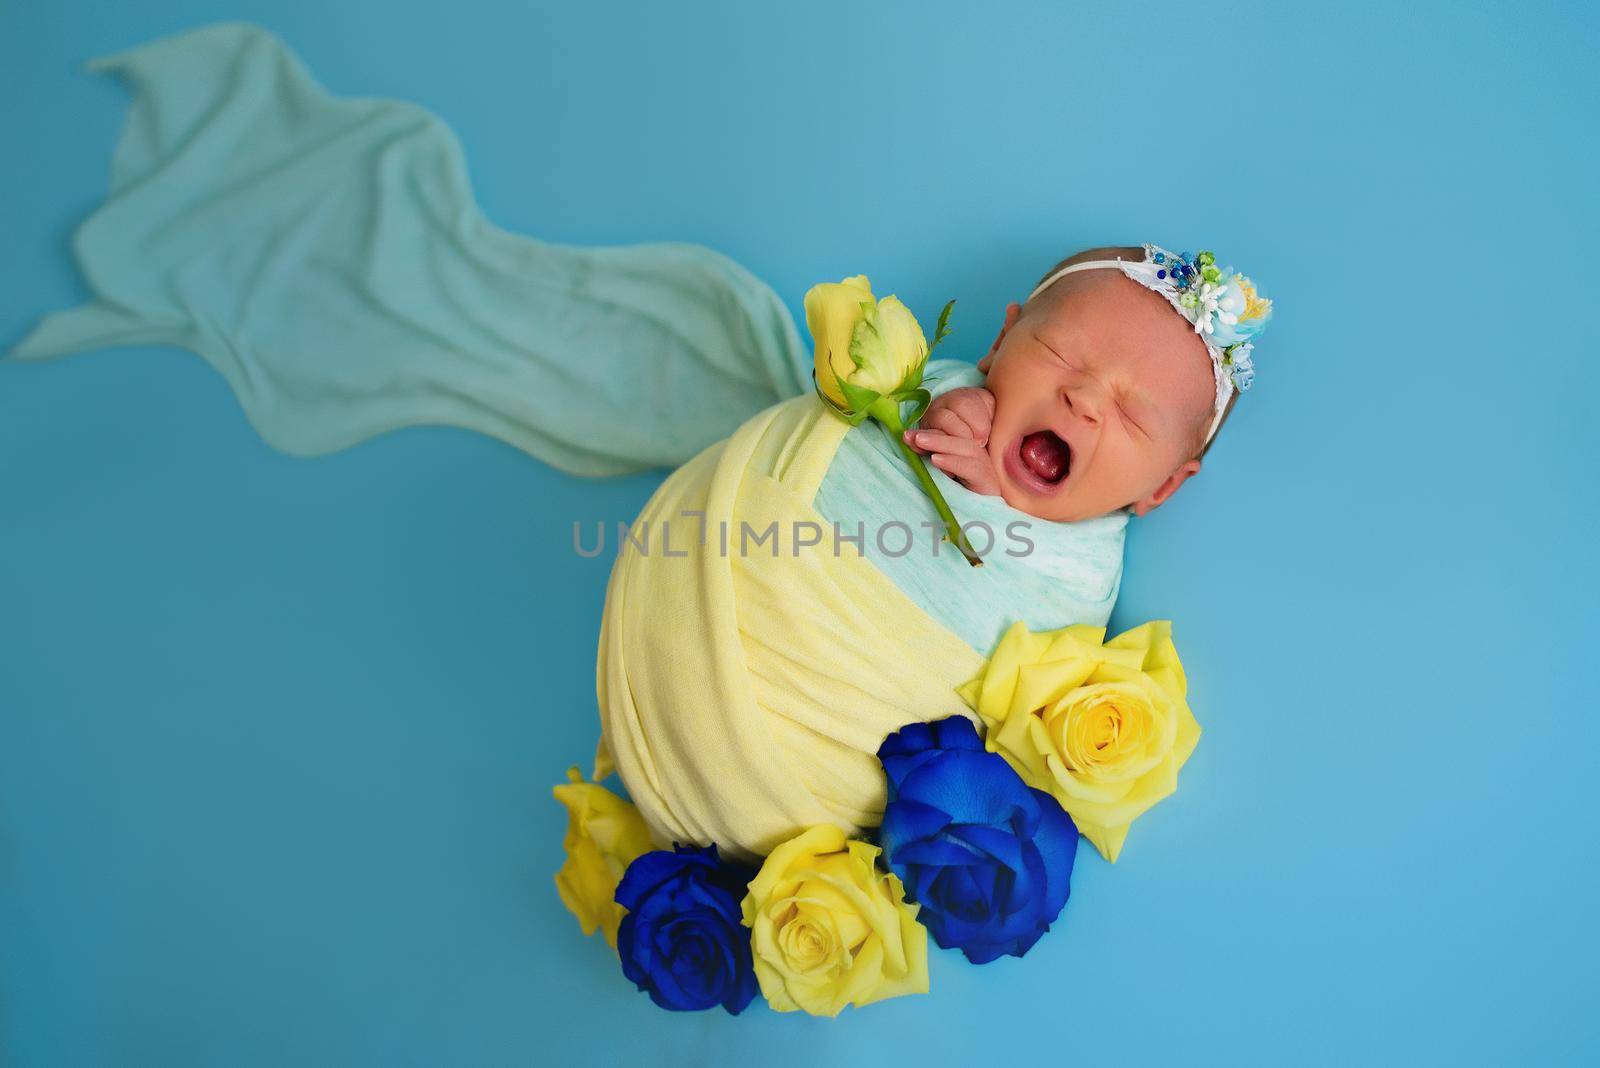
<point>829,930</point>
<point>1101,726</point>
<point>604,835</point>
<point>875,345</point>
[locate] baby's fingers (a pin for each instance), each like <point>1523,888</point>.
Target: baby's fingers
<point>939,441</point>
<point>973,409</point>
<point>951,420</point>
<point>974,472</point>
<point>961,458</point>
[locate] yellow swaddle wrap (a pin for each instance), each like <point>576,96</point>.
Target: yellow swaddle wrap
<point>744,694</point>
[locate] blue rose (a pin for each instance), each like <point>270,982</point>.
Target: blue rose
<point>988,857</point>
<point>682,940</point>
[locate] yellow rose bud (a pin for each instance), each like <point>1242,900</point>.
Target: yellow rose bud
<point>1101,726</point>
<point>829,930</point>
<point>876,345</point>
<point>604,835</point>
<point>832,311</point>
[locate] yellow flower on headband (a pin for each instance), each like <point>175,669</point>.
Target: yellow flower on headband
<point>604,835</point>
<point>1101,726</point>
<point>1255,305</point>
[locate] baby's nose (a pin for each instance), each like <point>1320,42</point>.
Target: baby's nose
<point>1083,401</point>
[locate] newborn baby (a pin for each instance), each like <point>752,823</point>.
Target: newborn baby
<point>1094,403</point>
<point>1098,398</point>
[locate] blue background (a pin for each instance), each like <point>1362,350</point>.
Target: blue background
<point>277,736</point>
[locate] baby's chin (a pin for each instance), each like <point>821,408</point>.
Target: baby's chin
<point>1054,510</point>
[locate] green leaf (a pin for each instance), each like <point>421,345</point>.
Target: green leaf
<point>919,400</point>
<point>860,399</point>
<point>942,329</point>
<point>853,418</point>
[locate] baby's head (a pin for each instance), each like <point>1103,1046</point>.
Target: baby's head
<point>1105,394</point>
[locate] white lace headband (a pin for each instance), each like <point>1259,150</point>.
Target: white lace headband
<point>1221,304</point>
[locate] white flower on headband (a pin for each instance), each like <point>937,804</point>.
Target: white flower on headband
<point>1201,300</point>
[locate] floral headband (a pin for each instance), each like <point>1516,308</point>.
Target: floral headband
<point>1221,304</point>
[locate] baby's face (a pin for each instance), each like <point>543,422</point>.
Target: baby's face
<point>1102,396</point>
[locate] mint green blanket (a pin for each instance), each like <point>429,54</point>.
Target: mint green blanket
<point>327,257</point>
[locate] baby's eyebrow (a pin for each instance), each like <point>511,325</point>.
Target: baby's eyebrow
<point>1136,395</point>
<point>1145,411</point>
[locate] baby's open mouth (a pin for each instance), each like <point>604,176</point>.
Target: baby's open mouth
<point>1046,456</point>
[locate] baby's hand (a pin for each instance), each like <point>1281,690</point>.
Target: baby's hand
<point>953,432</point>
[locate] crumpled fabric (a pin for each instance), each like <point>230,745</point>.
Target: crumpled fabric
<point>327,257</point>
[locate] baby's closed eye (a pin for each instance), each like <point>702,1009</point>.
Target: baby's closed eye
<point>1126,411</point>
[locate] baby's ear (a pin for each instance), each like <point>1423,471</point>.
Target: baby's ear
<point>1167,488</point>
<point>1013,313</point>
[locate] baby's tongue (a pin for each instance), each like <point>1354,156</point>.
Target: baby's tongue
<point>1046,455</point>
